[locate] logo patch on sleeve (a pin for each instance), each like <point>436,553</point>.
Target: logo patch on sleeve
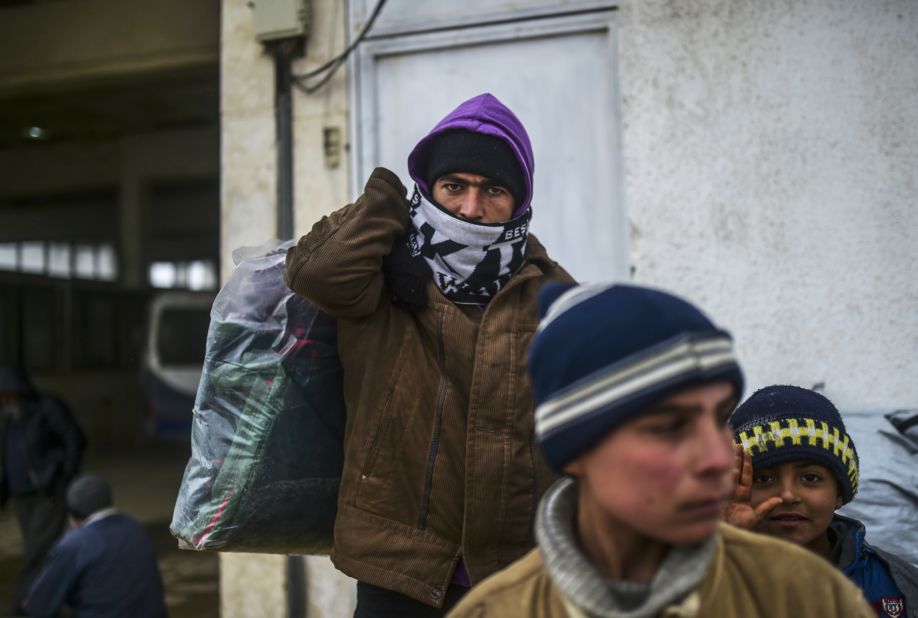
<point>892,606</point>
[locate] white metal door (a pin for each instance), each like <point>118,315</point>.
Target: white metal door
<point>554,66</point>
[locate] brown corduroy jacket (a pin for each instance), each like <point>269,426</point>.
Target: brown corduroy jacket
<point>440,458</point>
<point>751,575</point>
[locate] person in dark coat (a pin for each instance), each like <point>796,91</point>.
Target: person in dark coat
<point>104,567</point>
<point>40,451</point>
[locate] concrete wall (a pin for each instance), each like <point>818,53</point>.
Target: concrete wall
<point>248,161</point>
<point>255,585</point>
<point>770,167</point>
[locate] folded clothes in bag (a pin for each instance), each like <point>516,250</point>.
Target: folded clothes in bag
<point>266,442</point>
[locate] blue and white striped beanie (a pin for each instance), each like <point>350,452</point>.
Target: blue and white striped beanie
<point>604,353</point>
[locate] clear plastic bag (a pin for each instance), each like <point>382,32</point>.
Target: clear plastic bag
<point>266,442</point>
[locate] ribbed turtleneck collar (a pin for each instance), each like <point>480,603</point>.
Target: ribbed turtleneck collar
<point>679,574</point>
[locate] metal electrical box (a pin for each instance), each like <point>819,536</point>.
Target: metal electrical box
<point>279,19</point>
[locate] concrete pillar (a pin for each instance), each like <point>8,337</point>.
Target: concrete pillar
<point>255,585</point>
<point>329,593</point>
<point>252,585</point>
<point>247,157</point>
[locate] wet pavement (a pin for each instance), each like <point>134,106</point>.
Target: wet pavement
<point>145,481</point>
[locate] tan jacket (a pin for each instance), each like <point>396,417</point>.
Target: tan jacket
<point>751,575</point>
<point>440,457</point>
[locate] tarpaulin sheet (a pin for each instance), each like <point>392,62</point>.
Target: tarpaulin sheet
<point>887,500</point>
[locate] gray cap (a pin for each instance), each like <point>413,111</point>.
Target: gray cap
<point>88,494</point>
<point>13,381</point>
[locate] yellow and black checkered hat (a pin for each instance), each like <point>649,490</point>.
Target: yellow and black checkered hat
<point>784,423</point>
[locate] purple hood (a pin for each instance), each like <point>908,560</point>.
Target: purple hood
<point>483,114</point>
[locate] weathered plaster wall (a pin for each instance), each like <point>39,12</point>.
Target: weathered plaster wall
<point>247,118</point>
<point>770,166</point>
<point>247,157</point>
<point>256,585</point>
<point>319,188</point>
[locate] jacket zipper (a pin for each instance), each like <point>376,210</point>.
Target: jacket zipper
<point>438,423</point>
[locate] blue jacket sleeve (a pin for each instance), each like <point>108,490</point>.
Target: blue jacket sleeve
<point>54,583</point>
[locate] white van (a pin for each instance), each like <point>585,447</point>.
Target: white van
<point>173,358</point>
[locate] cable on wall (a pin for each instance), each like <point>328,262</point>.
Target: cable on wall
<point>327,70</point>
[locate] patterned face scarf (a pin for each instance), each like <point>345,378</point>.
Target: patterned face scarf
<point>470,262</point>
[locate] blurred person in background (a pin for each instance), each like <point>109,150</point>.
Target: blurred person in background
<point>41,448</point>
<point>105,567</point>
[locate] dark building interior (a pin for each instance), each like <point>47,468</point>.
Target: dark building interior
<point>109,241</point>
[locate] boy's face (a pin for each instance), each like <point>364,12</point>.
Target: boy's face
<point>667,474</point>
<point>809,494</point>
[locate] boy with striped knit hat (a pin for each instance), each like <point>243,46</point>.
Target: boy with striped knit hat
<point>795,465</point>
<point>633,388</point>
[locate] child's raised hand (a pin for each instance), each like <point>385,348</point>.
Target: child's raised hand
<point>740,512</point>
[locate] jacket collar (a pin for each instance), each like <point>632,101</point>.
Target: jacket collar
<point>847,536</point>
<point>581,584</point>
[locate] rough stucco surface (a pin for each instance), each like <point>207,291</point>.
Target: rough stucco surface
<point>770,153</point>
<point>247,156</point>
<point>251,584</point>
<point>319,188</point>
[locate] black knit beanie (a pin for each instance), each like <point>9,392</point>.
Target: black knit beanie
<point>474,153</point>
<point>781,423</point>
<point>88,494</point>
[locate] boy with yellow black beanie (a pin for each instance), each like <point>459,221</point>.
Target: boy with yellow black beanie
<point>796,464</point>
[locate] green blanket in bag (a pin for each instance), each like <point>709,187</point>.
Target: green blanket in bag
<point>268,428</point>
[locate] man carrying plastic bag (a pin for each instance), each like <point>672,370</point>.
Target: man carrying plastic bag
<point>435,298</point>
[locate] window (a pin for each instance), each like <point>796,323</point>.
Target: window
<point>32,257</point>
<point>192,275</point>
<point>9,256</point>
<point>60,259</point>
